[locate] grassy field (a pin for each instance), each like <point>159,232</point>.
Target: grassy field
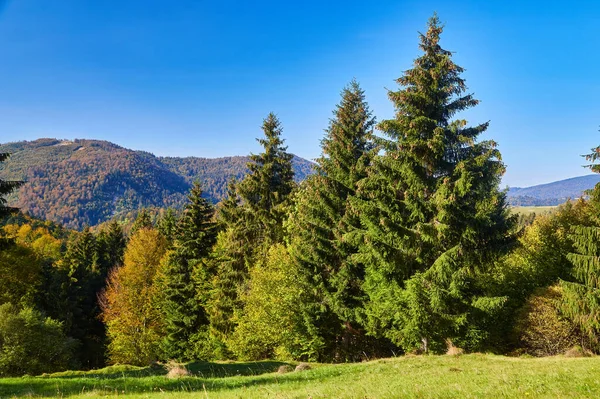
<point>468,376</point>
<point>538,210</point>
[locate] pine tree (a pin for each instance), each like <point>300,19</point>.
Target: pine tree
<point>187,277</point>
<point>167,225</point>
<point>6,187</point>
<point>581,293</point>
<point>80,298</point>
<point>110,244</point>
<point>431,210</point>
<point>266,188</point>
<point>252,219</point>
<point>142,221</point>
<point>322,218</point>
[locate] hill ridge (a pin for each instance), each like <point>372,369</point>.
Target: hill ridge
<point>86,182</point>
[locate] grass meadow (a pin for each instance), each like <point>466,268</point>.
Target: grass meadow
<point>465,376</point>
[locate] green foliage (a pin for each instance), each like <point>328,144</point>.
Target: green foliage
<point>275,322</point>
<point>6,187</point>
<point>321,218</point>
<point>142,221</point>
<point>31,343</point>
<point>186,278</point>
<point>79,308</point>
<point>430,209</point>
<point>266,188</point>
<point>252,219</point>
<point>110,243</point>
<point>21,275</point>
<point>581,298</point>
<point>167,225</point>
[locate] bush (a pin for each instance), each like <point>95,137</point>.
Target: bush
<point>540,329</point>
<point>31,343</point>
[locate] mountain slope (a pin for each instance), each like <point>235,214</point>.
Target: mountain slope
<point>86,182</point>
<point>554,193</point>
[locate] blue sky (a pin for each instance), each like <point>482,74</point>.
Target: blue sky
<point>197,77</point>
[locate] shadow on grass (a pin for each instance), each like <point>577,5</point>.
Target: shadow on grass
<point>123,380</point>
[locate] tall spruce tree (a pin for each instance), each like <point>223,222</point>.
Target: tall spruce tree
<point>79,292</point>
<point>252,218</point>
<point>167,225</point>
<point>431,212</point>
<point>110,244</point>
<point>187,277</point>
<point>580,300</point>
<point>322,217</point>
<point>142,221</point>
<point>266,188</point>
<point>6,188</point>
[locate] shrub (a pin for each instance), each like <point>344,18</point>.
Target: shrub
<point>31,343</point>
<point>540,329</point>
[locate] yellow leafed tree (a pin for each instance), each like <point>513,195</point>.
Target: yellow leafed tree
<point>129,304</point>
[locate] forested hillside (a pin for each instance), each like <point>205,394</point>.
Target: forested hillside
<point>86,182</point>
<point>554,193</point>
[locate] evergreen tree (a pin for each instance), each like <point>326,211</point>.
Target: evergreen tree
<point>266,188</point>
<point>252,219</point>
<point>581,292</point>
<point>167,225</point>
<point>81,308</point>
<point>186,276</point>
<point>431,211</point>
<point>322,217</point>
<point>142,221</point>
<point>110,244</point>
<point>6,187</point>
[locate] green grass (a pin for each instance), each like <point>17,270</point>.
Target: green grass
<point>538,210</point>
<point>468,376</point>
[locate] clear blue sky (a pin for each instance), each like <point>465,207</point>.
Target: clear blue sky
<point>197,77</point>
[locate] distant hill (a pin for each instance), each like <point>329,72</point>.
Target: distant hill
<point>552,193</point>
<point>86,182</point>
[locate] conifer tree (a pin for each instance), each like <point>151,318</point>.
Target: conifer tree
<point>265,189</point>
<point>142,221</point>
<point>80,296</point>
<point>581,293</point>
<point>167,225</point>
<point>186,276</point>
<point>430,209</point>
<point>6,187</point>
<point>110,244</point>
<point>322,217</point>
<point>252,218</point>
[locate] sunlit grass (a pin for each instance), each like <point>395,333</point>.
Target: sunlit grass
<point>468,376</point>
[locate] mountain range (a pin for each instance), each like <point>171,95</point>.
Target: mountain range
<point>86,182</point>
<point>554,193</point>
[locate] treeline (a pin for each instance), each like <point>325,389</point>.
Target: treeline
<point>401,242</point>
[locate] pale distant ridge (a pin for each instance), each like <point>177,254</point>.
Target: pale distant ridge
<point>554,193</point>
